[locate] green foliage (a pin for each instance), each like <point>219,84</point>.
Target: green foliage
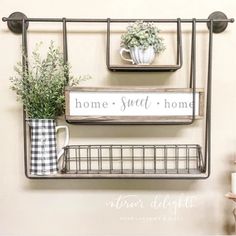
<point>41,87</point>
<point>142,35</point>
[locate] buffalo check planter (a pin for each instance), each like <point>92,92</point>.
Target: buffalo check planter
<point>43,147</point>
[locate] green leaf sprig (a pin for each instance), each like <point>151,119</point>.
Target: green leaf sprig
<point>41,87</point>
<point>142,35</point>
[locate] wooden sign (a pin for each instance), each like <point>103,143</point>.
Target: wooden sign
<point>131,105</point>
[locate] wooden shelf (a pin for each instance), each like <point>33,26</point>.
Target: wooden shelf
<point>194,175</point>
<point>114,98</point>
<point>149,68</point>
<point>143,68</point>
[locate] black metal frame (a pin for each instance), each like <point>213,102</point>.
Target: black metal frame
<point>211,23</point>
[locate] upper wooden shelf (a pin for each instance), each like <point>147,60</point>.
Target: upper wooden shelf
<point>144,68</point>
<point>148,68</point>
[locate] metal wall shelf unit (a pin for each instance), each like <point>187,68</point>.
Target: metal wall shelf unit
<point>178,161</point>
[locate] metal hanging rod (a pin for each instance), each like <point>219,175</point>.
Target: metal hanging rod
<point>14,21</point>
<point>84,20</point>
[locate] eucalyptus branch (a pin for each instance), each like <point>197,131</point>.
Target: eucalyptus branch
<point>41,87</point>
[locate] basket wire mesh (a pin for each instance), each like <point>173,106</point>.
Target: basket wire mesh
<point>132,159</point>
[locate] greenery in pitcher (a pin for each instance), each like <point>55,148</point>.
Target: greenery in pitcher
<point>41,87</point>
<point>142,35</point>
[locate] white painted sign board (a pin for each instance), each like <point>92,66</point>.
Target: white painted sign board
<point>132,105</point>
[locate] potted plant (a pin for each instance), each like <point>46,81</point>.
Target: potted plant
<point>41,90</point>
<point>142,42</point>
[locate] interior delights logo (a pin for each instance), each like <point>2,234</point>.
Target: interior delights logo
<point>161,207</point>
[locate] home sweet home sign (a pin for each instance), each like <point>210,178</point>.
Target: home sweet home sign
<point>132,105</point>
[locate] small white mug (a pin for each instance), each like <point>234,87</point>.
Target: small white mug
<point>139,56</point>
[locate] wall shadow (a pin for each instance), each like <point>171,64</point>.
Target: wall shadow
<point>112,185</point>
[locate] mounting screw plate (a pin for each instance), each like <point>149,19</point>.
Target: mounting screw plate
<point>16,26</point>
<point>218,27</point>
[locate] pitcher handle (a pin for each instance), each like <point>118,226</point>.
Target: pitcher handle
<point>124,58</point>
<point>66,142</point>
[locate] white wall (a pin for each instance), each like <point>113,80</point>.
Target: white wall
<point>84,207</point>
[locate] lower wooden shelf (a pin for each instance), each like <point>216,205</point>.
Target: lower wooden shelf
<point>196,175</point>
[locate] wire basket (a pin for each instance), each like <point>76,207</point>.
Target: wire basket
<point>133,160</point>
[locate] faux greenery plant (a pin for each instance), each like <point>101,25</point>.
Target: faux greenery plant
<point>41,87</point>
<point>142,35</point>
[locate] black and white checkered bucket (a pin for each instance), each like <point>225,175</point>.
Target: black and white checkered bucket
<point>44,156</point>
